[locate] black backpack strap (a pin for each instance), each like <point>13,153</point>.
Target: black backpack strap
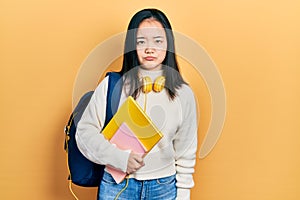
<point>114,91</point>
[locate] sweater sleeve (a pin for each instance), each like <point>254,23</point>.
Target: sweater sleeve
<point>91,143</point>
<point>185,145</point>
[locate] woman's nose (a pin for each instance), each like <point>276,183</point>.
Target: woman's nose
<point>149,50</point>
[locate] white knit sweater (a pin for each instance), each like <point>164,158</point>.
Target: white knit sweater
<point>175,153</point>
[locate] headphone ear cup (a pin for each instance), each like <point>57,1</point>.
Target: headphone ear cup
<point>146,84</point>
<point>159,84</point>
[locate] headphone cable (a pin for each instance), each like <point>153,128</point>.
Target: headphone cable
<point>123,189</point>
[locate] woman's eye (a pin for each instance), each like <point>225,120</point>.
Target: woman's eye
<point>140,42</point>
<point>159,41</point>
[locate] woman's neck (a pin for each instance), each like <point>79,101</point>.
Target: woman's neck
<point>153,74</point>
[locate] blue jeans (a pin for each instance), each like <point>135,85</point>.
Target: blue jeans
<point>155,189</point>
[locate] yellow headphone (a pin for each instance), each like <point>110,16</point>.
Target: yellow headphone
<point>157,86</point>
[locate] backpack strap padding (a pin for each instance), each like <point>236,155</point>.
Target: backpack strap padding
<point>114,91</point>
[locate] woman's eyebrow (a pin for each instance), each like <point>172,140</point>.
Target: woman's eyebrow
<point>155,37</point>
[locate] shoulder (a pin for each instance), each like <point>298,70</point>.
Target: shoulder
<point>101,88</point>
<point>185,92</point>
<point>186,97</point>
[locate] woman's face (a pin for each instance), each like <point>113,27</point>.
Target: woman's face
<point>151,44</point>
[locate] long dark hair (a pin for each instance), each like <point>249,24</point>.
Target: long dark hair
<point>130,59</point>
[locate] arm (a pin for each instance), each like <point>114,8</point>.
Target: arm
<point>90,141</point>
<point>185,145</point>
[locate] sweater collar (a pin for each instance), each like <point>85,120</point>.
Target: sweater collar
<point>152,74</point>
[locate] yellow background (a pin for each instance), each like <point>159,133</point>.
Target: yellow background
<point>255,44</point>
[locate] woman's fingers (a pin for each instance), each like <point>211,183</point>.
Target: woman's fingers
<point>135,162</point>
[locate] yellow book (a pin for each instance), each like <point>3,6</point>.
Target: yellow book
<point>137,120</point>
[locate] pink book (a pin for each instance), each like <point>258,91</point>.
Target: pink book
<point>125,139</point>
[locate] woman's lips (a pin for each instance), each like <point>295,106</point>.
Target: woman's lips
<point>149,58</point>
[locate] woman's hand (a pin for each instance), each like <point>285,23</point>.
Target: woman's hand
<point>135,162</point>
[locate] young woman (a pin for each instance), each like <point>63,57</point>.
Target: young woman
<point>166,171</point>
